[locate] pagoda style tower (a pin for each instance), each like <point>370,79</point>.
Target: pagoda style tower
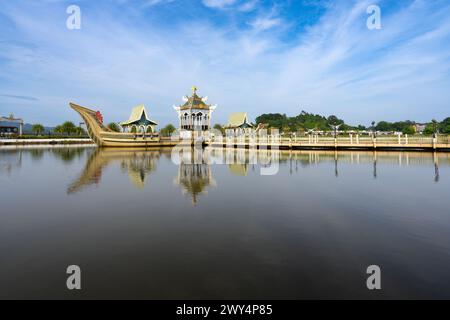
<point>194,116</point>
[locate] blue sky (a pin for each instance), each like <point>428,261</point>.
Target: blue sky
<point>245,55</point>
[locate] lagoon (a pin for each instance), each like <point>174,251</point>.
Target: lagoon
<point>206,224</point>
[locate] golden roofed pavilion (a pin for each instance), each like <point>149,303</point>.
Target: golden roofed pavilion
<point>139,120</point>
<point>194,115</point>
<point>238,124</point>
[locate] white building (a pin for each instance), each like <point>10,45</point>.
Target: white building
<point>194,116</point>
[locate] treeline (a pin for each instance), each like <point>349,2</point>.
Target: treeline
<point>67,128</point>
<point>308,121</point>
<point>410,126</point>
<point>303,122</point>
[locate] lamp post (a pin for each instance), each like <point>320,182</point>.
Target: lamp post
<point>335,128</point>
<point>435,129</point>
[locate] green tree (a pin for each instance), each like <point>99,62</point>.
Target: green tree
<point>68,127</point>
<point>361,128</point>
<point>384,126</point>
<point>408,130</point>
<point>168,130</point>
<point>219,127</point>
<point>334,121</point>
<point>429,129</point>
<point>286,130</point>
<point>58,129</point>
<point>444,126</point>
<point>113,127</point>
<point>79,131</point>
<point>38,129</point>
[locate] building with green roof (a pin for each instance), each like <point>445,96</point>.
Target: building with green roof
<point>139,121</point>
<point>238,124</point>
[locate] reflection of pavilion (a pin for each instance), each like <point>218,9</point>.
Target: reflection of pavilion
<point>139,164</point>
<point>194,174</point>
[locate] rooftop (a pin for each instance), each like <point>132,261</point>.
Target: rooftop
<point>138,114</point>
<point>237,119</point>
<point>195,101</point>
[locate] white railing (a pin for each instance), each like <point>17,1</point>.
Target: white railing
<point>397,140</point>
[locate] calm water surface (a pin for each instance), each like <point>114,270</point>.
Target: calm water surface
<point>143,225</point>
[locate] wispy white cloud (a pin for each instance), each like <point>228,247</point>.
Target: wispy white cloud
<point>218,3</point>
<point>248,6</point>
<point>13,96</point>
<point>265,23</point>
<point>151,3</point>
<point>266,20</point>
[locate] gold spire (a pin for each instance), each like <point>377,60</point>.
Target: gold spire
<point>194,89</point>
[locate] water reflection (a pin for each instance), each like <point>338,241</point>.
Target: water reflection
<point>320,222</point>
<point>10,161</point>
<point>194,165</point>
<point>195,173</point>
<point>436,167</point>
<point>138,164</point>
<point>67,155</point>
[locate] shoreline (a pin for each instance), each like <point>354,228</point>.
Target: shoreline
<point>26,142</point>
<point>260,146</point>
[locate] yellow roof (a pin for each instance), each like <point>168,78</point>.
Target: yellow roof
<point>237,119</point>
<point>136,115</point>
<point>195,101</point>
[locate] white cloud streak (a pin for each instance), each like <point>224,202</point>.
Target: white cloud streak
<point>218,3</point>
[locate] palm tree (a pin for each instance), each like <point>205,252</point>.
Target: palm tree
<point>58,129</point>
<point>167,130</point>
<point>37,129</point>
<point>79,131</point>
<point>68,127</point>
